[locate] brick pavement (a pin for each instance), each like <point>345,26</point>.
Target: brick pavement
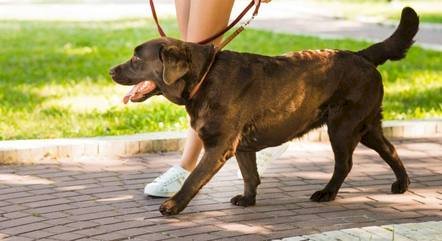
<point>425,231</point>
<point>101,199</point>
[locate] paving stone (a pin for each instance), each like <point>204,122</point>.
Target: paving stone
<point>153,237</point>
<point>19,222</point>
<point>39,234</point>
<point>402,232</point>
<point>17,239</point>
<point>101,199</point>
<point>67,236</point>
<point>24,228</point>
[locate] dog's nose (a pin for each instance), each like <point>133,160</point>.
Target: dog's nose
<point>112,72</point>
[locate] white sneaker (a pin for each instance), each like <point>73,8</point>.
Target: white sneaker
<point>266,156</point>
<point>168,183</point>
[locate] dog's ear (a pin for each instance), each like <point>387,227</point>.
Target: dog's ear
<point>175,63</point>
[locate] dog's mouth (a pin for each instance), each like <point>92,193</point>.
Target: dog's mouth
<point>140,91</point>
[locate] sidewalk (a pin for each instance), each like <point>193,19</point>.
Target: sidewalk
<point>101,199</point>
<point>290,16</point>
<point>426,231</point>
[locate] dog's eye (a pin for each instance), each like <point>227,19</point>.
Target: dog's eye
<point>135,59</point>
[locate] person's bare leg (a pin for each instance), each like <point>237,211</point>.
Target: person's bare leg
<point>193,145</point>
<point>182,8</point>
<point>192,149</point>
<point>197,20</point>
<point>205,19</point>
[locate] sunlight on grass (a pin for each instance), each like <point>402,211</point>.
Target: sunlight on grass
<point>69,50</point>
<point>82,98</point>
<point>54,80</point>
<point>428,10</point>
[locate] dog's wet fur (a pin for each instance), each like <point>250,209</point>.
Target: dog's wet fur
<point>249,102</point>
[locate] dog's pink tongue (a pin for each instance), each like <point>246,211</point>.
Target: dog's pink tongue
<point>139,90</point>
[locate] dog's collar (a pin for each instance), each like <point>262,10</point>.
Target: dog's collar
<point>197,87</point>
<point>215,36</point>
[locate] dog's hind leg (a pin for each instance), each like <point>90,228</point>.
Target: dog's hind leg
<point>344,130</point>
<point>247,165</point>
<point>376,140</point>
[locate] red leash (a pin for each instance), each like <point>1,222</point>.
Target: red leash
<point>223,31</point>
<point>215,36</point>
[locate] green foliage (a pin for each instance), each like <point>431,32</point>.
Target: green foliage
<point>54,81</point>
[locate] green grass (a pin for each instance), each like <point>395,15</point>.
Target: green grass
<point>429,11</point>
<point>426,17</point>
<point>432,18</point>
<point>54,82</point>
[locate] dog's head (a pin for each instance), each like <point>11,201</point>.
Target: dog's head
<point>163,66</point>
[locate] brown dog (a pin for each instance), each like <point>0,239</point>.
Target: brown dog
<point>249,102</point>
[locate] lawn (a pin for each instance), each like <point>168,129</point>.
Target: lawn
<point>54,82</point>
<point>430,11</point>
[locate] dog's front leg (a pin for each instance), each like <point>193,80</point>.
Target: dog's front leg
<point>212,160</point>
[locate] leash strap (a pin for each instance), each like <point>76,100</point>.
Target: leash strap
<point>234,22</point>
<point>154,15</point>
<point>198,85</point>
<point>218,48</point>
<point>223,44</point>
<point>218,34</point>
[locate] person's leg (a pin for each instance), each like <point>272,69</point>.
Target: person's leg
<point>197,20</point>
<point>182,8</point>
<point>193,145</point>
<point>192,149</point>
<point>205,19</point>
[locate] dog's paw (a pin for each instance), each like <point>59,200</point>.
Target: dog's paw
<point>400,187</point>
<point>240,200</point>
<point>323,196</point>
<point>169,207</point>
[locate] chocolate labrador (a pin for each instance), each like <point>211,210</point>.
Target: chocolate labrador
<point>249,102</point>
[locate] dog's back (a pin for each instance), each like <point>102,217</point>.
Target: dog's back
<point>315,85</point>
<point>307,86</point>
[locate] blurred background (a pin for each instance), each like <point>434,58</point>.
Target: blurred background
<point>55,56</point>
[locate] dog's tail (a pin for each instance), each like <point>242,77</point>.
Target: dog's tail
<point>396,46</point>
